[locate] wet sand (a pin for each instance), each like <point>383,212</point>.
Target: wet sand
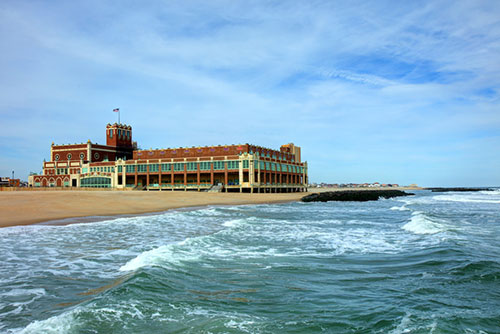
<point>30,207</point>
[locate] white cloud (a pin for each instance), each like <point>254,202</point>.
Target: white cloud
<point>309,72</point>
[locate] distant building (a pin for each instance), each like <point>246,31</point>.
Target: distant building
<point>119,164</point>
<point>8,182</point>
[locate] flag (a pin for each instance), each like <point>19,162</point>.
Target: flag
<point>116,110</point>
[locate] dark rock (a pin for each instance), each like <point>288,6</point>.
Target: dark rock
<point>442,190</point>
<point>353,195</point>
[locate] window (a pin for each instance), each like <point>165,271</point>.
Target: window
<point>262,165</point>
<point>69,156</point>
<point>233,164</point>
<point>96,155</point>
<point>205,165</point>
<point>110,133</point>
<point>165,167</point>
<point>56,157</point>
<point>142,168</point>
<point>153,168</point>
<point>130,168</point>
<point>218,165</point>
<point>120,169</point>
<point>179,167</point>
<point>96,182</point>
<point>192,166</point>
<point>268,166</point>
<point>82,156</point>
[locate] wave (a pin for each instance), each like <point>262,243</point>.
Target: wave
<point>422,224</point>
<point>410,324</point>
<point>400,208</point>
<point>490,192</point>
<point>268,238</point>
<point>473,198</point>
<point>232,223</point>
<point>172,253</point>
<point>63,323</point>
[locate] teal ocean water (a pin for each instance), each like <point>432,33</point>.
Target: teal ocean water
<point>423,264</point>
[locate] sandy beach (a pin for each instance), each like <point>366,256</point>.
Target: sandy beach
<point>30,207</point>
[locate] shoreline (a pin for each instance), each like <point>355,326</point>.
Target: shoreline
<point>62,207</point>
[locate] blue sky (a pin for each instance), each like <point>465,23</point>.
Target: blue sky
<point>388,91</point>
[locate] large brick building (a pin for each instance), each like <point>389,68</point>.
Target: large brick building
<point>118,164</point>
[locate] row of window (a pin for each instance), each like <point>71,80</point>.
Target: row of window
<point>267,155</point>
<point>68,156</point>
<point>104,169</point>
<point>204,166</point>
<point>276,167</point>
<point>96,182</point>
<point>179,166</point>
<point>61,171</point>
<point>121,134</point>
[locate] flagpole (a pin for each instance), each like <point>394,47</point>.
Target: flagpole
<point>118,116</point>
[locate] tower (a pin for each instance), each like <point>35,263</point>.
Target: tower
<point>119,135</point>
<point>291,148</point>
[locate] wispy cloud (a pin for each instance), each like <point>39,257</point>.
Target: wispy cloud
<point>366,83</point>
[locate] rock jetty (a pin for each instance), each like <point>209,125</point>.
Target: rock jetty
<point>442,190</point>
<point>353,195</point>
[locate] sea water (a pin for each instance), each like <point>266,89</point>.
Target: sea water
<point>428,263</point>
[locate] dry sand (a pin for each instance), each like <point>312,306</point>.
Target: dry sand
<point>29,207</point>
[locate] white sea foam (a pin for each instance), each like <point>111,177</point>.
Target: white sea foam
<point>472,198</point>
<point>171,253</point>
<point>232,223</point>
<point>409,200</point>
<point>422,224</point>
<point>63,323</point>
<point>400,208</point>
<point>402,327</point>
<point>23,292</point>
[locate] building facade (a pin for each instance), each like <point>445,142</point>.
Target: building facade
<point>119,165</point>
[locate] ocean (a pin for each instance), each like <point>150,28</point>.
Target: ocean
<point>428,263</point>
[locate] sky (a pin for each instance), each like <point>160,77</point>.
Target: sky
<point>372,91</point>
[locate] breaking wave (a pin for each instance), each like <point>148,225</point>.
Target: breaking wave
<point>422,224</point>
<point>476,198</point>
